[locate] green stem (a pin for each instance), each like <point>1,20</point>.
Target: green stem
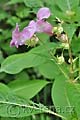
<point>76,78</point>
<point>32,107</point>
<point>71,63</point>
<point>77,67</point>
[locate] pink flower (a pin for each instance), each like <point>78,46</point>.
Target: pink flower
<point>41,24</point>
<point>19,38</point>
<point>32,28</point>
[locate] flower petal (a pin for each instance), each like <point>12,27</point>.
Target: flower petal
<point>32,27</point>
<point>43,13</point>
<point>19,38</point>
<point>44,26</point>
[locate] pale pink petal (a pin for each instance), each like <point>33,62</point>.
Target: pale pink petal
<point>43,13</point>
<point>44,26</point>
<point>32,24</point>
<point>32,27</point>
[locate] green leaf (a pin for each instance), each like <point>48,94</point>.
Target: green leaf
<point>77,15</point>
<point>49,69</point>
<point>17,108</point>
<point>3,14</point>
<point>33,3</point>
<point>38,55</point>
<point>13,20</point>
<point>66,98</point>
<point>67,4</point>
<point>73,92</point>
<point>7,47</point>
<point>59,97</point>
<point>14,106</point>
<point>13,118</point>
<point>4,88</point>
<point>27,88</point>
<point>16,63</point>
<point>75,44</point>
<point>65,10</point>
<point>69,29</point>
<point>22,76</point>
<point>56,11</point>
<point>21,12</point>
<point>1,57</point>
<point>14,2</point>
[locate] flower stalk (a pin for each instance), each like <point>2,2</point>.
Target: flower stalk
<point>71,63</point>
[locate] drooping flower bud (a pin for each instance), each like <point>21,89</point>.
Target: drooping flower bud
<point>63,38</point>
<point>60,59</point>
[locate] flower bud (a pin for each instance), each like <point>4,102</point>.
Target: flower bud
<point>58,30</point>
<point>63,38</point>
<point>65,45</point>
<point>33,41</point>
<point>54,29</point>
<point>70,13</point>
<point>60,59</point>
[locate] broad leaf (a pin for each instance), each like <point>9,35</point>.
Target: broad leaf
<point>14,2</point>
<point>3,88</point>
<point>16,63</point>
<point>73,92</point>
<point>13,106</point>
<point>59,97</point>
<point>75,44</point>
<point>12,118</point>
<point>67,4</point>
<point>33,3</point>
<point>66,98</point>
<point>49,69</point>
<point>27,88</point>
<point>70,30</point>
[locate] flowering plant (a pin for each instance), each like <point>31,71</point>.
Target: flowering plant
<point>40,61</point>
